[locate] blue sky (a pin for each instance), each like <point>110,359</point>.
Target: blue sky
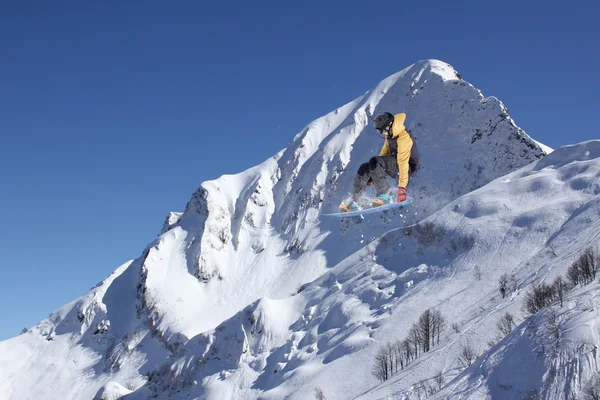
<point>112,113</point>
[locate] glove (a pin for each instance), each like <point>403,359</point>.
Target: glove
<point>401,194</point>
<point>370,182</point>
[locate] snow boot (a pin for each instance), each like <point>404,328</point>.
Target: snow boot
<point>382,200</point>
<point>352,206</point>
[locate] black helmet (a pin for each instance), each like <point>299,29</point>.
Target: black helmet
<point>382,121</point>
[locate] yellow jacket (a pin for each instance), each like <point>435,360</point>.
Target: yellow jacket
<point>402,143</point>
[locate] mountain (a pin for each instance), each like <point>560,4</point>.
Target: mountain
<point>249,293</point>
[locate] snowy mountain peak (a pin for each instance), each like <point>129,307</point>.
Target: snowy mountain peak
<point>251,293</point>
<point>466,140</point>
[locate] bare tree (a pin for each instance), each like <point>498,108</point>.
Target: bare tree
<point>388,360</point>
<point>477,273</point>
<point>553,327</point>
<point>414,338</point>
<point>592,261</point>
<point>513,285</point>
<point>456,327</point>
<point>506,324</point>
<point>467,355</point>
<point>420,391</point>
<point>407,350</point>
<point>381,369</point>
<point>319,395</point>
<point>438,379</point>
<point>429,233</point>
<point>560,287</point>
<point>401,358</point>
<point>394,357</point>
<point>492,342</point>
<point>429,327</point>
<point>585,268</point>
<point>539,297</point>
<point>575,274</point>
<point>439,324</point>
<point>507,284</point>
<point>503,282</point>
<point>425,328</point>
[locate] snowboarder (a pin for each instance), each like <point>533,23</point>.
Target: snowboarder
<point>399,159</point>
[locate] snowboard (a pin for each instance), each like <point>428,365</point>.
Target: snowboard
<point>370,210</point>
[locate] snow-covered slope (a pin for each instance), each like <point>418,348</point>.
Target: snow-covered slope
<point>250,294</point>
<point>531,224</point>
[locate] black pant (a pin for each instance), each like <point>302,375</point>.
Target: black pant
<point>377,169</point>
